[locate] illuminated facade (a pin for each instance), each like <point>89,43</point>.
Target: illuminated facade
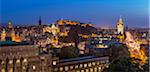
<point>54,30</point>
<point>136,52</point>
<point>82,64</point>
<point>120,26</point>
<point>3,35</point>
<point>63,22</point>
<point>10,32</point>
<point>120,30</point>
<point>24,58</point>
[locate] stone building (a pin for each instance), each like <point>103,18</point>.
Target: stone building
<point>23,57</point>
<point>81,64</point>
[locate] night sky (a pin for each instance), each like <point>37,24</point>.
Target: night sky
<point>103,13</point>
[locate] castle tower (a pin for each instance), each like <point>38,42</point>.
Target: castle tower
<point>120,27</point>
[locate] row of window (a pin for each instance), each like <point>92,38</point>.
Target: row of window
<point>11,61</point>
<point>91,69</point>
<point>86,65</point>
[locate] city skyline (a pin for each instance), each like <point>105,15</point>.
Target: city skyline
<point>103,13</point>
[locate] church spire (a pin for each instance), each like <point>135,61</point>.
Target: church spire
<point>10,24</point>
<point>120,26</point>
<point>120,20</point>
<point>40,21</point>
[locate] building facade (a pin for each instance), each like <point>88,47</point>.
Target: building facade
<point>120,26</point>
<point>24,58</point>
<point>82,64</point>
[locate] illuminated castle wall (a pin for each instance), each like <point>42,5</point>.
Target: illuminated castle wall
<point>10,32</point>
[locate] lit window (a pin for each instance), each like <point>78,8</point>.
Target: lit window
<point>85,65</point>
<point>107,66</point>
<point>24,67</point>
<point>98,63</point>
<point>99,68</point>
<point>95,69</point>
<point>25,60</point>
<point>81,65</point>
<point>18,61</point>
<point>91,69</point>
<point>10,62</point>
<point>66,68</point>
<point>33,67</point>
<point>82,70</point>
<point>89,64</point>
<point>54,62</point>
<point>56,69</point>
<point>61,68</point>
<point>76,66</point>
<point>71,67</point>
<point>87,70</point>
<point>3,70</point>
<point>93,63</point>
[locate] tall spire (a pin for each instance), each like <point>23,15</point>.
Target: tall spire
<point>10,24</point>
<point>120,26</point>
<point>120,19</point>
<point>40,21</point>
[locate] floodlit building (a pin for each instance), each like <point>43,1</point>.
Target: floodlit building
<point>81,64</point>
<point>120,30</point>
<point>23,57</point>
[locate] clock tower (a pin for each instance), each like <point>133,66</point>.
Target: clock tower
<point>120,27</point>
<point>120,30</point>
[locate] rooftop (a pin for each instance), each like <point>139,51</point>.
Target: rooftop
<point>12,43</point>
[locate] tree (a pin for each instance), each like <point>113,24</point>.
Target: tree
<point>73,36</point>
<point>69,52</point>
<point>121,61</point>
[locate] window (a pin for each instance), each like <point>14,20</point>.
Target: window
<point>81,65</point>
<point>18,61</point>
<point>91,69</point>
<point>2,70</point>
<point>95,69</point>
<point>82,70</point>
<point>25,60</point>
<point>66,68</point>
<point>71,67</point>
<point>98,63</point>
<point>99,68</point>
<point>11,61</point>
<point>85,65</point>
<point>61,68</point>
<point>54,62</point>
<point>56,69</point>
<point>93,63</point>
<point>76,66</point>
<point>33,67</point>
<point>87,70</point>
<point>89,64</point>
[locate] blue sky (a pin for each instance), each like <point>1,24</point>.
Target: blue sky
<point>103,13</point>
